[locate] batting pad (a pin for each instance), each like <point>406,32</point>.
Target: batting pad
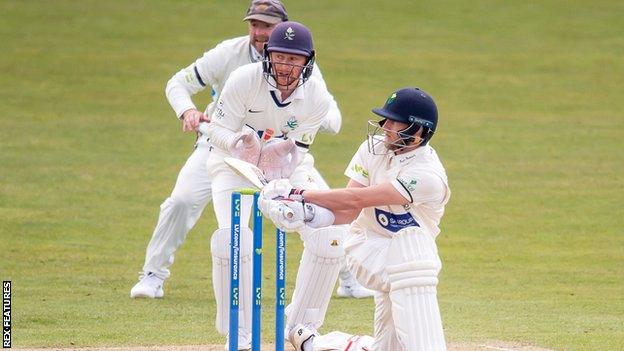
<point>316,277</point>
<point>220,250</point>
<point>413,275</point>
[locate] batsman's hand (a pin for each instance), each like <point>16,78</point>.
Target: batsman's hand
<point>279,158</point>
<point>286,215</point>
<point>281,189</point>
<point>191,119</point>
<point>246,146</point>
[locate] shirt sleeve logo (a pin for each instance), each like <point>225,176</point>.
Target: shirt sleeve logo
<point>359,170</point>
<point>307,138</point>
<point>394,222</point>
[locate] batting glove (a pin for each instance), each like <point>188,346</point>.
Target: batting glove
<point>282,189</point>
<point>286,215</point>
<point>295,215</point>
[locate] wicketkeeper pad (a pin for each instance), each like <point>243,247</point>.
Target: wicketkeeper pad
<point>220,250</point>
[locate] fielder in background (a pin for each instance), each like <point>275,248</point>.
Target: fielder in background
<point>395,197</point>
<point>193,188</point>
<point>281,94</point>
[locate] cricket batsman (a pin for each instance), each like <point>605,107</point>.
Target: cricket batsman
<point>394,200</point>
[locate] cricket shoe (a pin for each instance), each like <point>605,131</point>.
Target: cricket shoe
<point>349,287</point>
<point>149,287</point>
<point>244,341</point>
<point>301,337</point>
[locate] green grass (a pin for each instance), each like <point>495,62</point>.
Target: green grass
<point>531,134</point>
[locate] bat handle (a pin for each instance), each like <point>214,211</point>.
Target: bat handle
<point>289,213</point>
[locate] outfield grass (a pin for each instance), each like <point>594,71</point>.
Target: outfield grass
<point>531,134</point>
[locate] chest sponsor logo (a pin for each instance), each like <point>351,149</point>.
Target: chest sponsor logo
<point>395,222</point>
<point>219,113</point>
<point>292,123</point>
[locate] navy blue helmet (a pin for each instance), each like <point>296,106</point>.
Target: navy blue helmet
<point>291,38</point>
<point>413,107</point>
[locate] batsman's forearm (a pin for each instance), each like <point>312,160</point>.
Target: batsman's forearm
<point>345,216</point>
<point>336,199</point>
<point>356,198</point>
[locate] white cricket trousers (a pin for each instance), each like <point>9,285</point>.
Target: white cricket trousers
<point>179,212</point>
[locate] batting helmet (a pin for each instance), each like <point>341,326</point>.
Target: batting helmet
<point>291,38</point>
<point>414,107</point>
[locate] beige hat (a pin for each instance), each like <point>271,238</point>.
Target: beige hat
<point>269,11</point>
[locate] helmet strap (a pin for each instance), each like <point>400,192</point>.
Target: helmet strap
<point>307,70</point>
<point>266,62</point>
<point>408,134</point>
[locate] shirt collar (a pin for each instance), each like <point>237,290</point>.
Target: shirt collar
<point>254,55</point>
<point>409,156</point>
<point>298,94</point>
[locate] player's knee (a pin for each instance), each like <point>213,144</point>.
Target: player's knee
<point>413,260</point>
<point>185,201</point>
<point>413,274</point>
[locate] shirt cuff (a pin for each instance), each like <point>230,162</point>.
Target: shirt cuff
<point>180,110</point>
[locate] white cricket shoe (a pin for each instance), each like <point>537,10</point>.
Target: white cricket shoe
<point>149,287</point>
<point>301,337</point>
<point>349,287</point>
<point>356,291</point>
<point>244,341</point>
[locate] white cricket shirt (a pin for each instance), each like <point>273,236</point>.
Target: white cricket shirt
<point>418,175</point>
<point>213,69</point>
<point>248,100</point>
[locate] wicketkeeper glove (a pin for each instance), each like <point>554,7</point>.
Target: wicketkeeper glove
<point>278,158</point>
<point>246,146</point>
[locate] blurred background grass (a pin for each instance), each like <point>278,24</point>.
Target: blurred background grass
<point>531,134</point>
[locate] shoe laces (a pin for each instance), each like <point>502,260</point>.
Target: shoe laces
<point>152,280</point>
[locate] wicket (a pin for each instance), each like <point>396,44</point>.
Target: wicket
<point>280,276</point>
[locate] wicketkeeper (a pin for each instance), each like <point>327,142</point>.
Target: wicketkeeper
<point>280,94</point>
<point>193,188</point>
